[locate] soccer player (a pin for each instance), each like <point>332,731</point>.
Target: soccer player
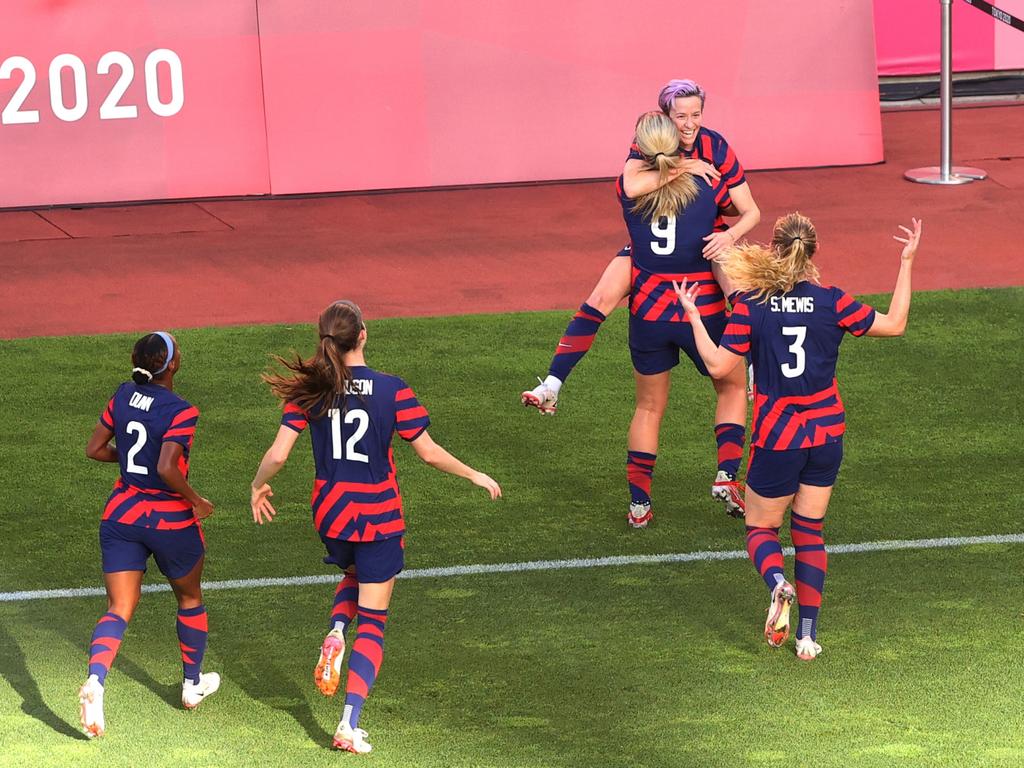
<point>793,327</point>
<point>352,411</point>
<point>668,229</point>
<point>705,154</point>
<point>152,511</point>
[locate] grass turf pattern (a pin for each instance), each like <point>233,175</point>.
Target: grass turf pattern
<point>654,665</point>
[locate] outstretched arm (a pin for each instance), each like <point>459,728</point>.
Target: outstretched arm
<point>639,179</point>
<point>894,322</point>
<point>719,360</point>
<point>437,457</point>
<point>273,460</point>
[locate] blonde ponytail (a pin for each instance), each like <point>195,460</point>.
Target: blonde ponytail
<point>774,270</point>
<point>657,138</point>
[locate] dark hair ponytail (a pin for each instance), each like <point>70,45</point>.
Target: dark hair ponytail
<point>315,383</point>
<point>150,357</point>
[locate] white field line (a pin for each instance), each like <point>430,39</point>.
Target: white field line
<point>535,565</point>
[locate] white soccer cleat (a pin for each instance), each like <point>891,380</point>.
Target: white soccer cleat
<point>729,491</point>
<point>807,649</point>
<point>327,674</point>
<point>90,700</point>
<point>541,397</point>
<point>351,739</point>
<point>193,694</point>
<point>776,628</point>
<point>640,514</point>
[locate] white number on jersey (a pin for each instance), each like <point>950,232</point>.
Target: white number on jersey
<point>133,428</point>
<point>666,232</point>
<point>799,333</point>
<point>352,452</point>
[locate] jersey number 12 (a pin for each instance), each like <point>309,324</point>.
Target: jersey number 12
<point>362,421</point>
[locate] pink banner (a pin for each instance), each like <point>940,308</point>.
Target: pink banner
<point>908,37</point>
<point>110,100</point>
<point>106,100</point>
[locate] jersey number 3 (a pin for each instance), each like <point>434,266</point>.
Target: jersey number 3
<point>361,419</point>
<point>799,332</point>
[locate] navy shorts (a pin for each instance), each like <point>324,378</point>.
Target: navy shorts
<point>375,561</point>
<point>655,347</point>
<point>128,547</point>
<point>780,473</point>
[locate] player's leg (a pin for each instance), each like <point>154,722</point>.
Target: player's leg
<point>807,525</point>
<point>642,452</point>
<point>124,564</point>
<point>730,433</point>
<point>327,673</point>
<point>772,482</point>
<point>580,333</point>
<point>181,556</point>
<point>377,563</point>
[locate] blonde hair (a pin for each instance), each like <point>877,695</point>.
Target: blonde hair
<point>657,138</point>
<point>775,269</point>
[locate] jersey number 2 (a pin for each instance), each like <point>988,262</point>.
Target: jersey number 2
<point>799,332</point>
<point>362,420</point>
<point>130,465</point>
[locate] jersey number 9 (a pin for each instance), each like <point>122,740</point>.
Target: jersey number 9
<point>358,417</point>
<point>664,229</point>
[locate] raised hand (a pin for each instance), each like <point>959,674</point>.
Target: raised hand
<point>687,295</point>
<point>911,241</point>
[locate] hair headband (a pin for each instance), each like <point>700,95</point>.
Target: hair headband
<point>170,351</point>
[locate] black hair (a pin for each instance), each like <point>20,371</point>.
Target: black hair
<point>148,357</point>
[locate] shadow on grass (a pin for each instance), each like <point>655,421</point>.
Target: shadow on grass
<point>251,667</point>
<point>14,670</point>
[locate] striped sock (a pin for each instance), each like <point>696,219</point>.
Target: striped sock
<point>106,640</point>
<point>576,341</point>
<point>766,554</point>
<point>811,567</point>
<point>639,471</point>
<point>364,662</point>
<point>345,598</point>
<point>730,447</point>
<point>192,631</point>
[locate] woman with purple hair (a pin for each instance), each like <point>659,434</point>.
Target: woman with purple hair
<point>708,156</point>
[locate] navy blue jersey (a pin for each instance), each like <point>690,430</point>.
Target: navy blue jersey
<point>671,249</point>
<point>143,417</point>
<point>794,343</point>
<point>355,493</point>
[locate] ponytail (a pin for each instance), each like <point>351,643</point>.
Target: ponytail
<point>317,382</point>
<point>776,269</point>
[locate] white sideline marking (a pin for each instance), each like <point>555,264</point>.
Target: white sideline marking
<point>534,565</point>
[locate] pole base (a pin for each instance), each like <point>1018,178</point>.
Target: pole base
<point>959,174</point>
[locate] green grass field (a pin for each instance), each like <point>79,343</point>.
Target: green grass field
<point>643,665</point>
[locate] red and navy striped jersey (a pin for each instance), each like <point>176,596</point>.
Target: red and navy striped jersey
<point>711,147</point>
<point>355,493</point>
<point>794,343</point>
<point>143,417</point>
<point>670,249</point>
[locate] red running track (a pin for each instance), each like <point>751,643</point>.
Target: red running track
<point>446,252</point>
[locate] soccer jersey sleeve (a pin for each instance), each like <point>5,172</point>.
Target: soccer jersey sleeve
<point>183,426</point>
<point>107,417</point>
<point>294,417</point>
<point>411,418</point>
<point>728,165</point>
<point>736,338</point>
<point>853,316</point>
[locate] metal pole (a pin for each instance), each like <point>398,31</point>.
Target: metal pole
<point>945,173</point>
